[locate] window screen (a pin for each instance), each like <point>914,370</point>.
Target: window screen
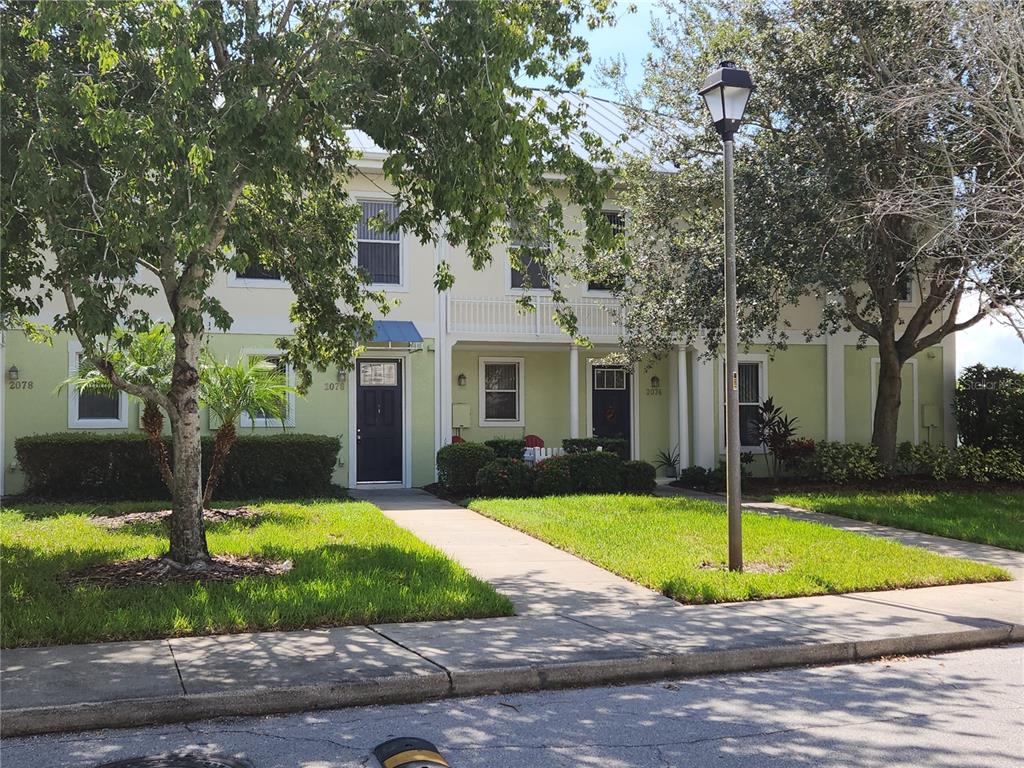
<point>501,391</point>
<point>379,251</point>
<point>99,405</point>
<point>257,271</point>
<point>750,400</point>
<point>536,274</point>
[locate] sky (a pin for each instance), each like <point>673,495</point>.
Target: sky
<point>987,342</point>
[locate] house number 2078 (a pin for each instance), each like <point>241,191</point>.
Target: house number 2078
<point>20,384</point>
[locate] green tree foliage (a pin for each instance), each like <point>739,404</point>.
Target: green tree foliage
<point>850,193</point>
<point>151,145</point>
<point>990,407</point>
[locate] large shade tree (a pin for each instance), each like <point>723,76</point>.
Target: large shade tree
<point>150,145</point>
<point>858,181</point>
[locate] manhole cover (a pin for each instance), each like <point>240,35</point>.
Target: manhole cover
<point>178,761</point>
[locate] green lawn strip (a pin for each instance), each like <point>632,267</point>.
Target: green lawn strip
<point>351,566</point>
<point>667,543</point>
<point>995,518</point>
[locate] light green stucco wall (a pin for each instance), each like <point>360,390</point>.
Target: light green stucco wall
<point>323,410</point>
<point>859,403</point>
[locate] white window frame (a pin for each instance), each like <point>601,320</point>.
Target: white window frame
<point>601,292</point>
<point>746,357</point>
<point>520,421</point>
<point>876,367</point>
<point>403,256</point>
<point>74,422</point>
<point>261,422</point>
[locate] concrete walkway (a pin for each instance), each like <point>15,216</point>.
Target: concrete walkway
<point>577,625</point>
<point>539,579</point>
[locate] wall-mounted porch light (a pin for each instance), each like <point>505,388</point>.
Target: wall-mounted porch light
<point>655,382</point>
<point>13,373</point>
<point>342,376</point>
<point>462,379</point>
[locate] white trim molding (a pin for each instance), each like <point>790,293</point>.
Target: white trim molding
<point>74,422</point>
<point>264,423</point>
<point>520,420</point>
<point>835,390</point>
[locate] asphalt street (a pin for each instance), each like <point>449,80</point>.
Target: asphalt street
<point>958,709</point>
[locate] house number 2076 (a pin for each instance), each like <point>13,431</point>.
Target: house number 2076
<point>20,384</point>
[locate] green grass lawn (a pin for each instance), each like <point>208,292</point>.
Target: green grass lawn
<point>351,566</point>
<point>988,518</point>
<point>668,544</point>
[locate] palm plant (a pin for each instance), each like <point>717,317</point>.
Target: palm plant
<point>252,385</point>
<point>146,359</point>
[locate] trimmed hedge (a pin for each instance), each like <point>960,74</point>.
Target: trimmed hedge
<point>596,472</point>
<point>616,445</point>
<point>552,477</point>
<point>638,477</point>
<point>86,465</point>
<point>507,447</point>
<point>458,465</point>
<point>505,478</point>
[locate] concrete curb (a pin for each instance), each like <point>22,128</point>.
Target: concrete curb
<point>416,688</point>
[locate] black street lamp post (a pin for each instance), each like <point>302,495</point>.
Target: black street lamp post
<point>726,92</point>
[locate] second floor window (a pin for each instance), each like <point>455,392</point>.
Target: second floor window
<point>609,283</point>
<point>257,271</point>
<point>530,249</point>
<point>380,255</point>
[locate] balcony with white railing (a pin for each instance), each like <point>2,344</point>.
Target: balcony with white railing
<point>501,316</point>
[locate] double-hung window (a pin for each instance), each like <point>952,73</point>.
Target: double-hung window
<point>269,418</point>
<point>255,270</point>
<point>94,408</point>
<point>501,392</point>
<point>530,248</point>
<point>751,393</point>
<point>607,282</point>
<point>379,247</point>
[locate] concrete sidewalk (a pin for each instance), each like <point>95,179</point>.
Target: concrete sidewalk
<point>578,625</point>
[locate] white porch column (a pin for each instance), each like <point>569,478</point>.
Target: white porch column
<point>948,345</point>
<point>445,395</point>
<point>682,408</point>
<point>704,404</point>
<point>835,389</point>
<point>574,391</point>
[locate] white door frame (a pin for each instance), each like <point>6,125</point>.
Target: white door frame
<point>634,402</point>
<point>353,453</point>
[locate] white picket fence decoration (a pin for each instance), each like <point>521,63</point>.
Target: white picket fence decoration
<point>533,455</point>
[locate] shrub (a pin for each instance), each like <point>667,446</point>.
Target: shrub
<point>596,472</point>
<point>793,455</point>
<point>715,479</point>
<point>508,478</point>
<point>552,477</point>
<point>506,447</point>
<point>694,477</point>
<point>1006,465</point>
<point>458,464</point>
<point>283,465</point>
<point>616,445</point>
<point>842,463</point>
<point>989,407</point>
<point>969,464</point>
<point>931,460</point>
<point>638,476</point>
<point>86,465</point>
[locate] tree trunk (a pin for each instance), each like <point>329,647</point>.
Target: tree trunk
<point>153,423</point>
<point>222,444</point>
<point>887,404</point>
<point>188,535</point>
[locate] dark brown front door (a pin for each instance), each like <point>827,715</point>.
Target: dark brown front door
<point>379,421</point>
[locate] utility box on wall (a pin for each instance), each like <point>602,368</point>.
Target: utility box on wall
<point>460,415</point>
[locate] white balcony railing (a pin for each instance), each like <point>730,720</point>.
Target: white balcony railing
<point>503,316</point>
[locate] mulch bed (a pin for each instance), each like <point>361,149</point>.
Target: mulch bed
<point>747,567</point>
<point>154,571</point>
<point>159,516</point>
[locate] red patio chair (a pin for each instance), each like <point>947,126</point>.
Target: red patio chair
<point>457,439</point>
<point>532,441</point>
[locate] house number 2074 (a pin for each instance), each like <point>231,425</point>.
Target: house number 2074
<point>20,384</point>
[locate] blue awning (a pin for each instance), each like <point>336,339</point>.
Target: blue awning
<point>396,331</point>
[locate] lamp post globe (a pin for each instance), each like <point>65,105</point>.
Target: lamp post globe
<point>726,92</point>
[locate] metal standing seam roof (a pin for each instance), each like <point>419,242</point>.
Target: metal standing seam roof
<point>603,117</point>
